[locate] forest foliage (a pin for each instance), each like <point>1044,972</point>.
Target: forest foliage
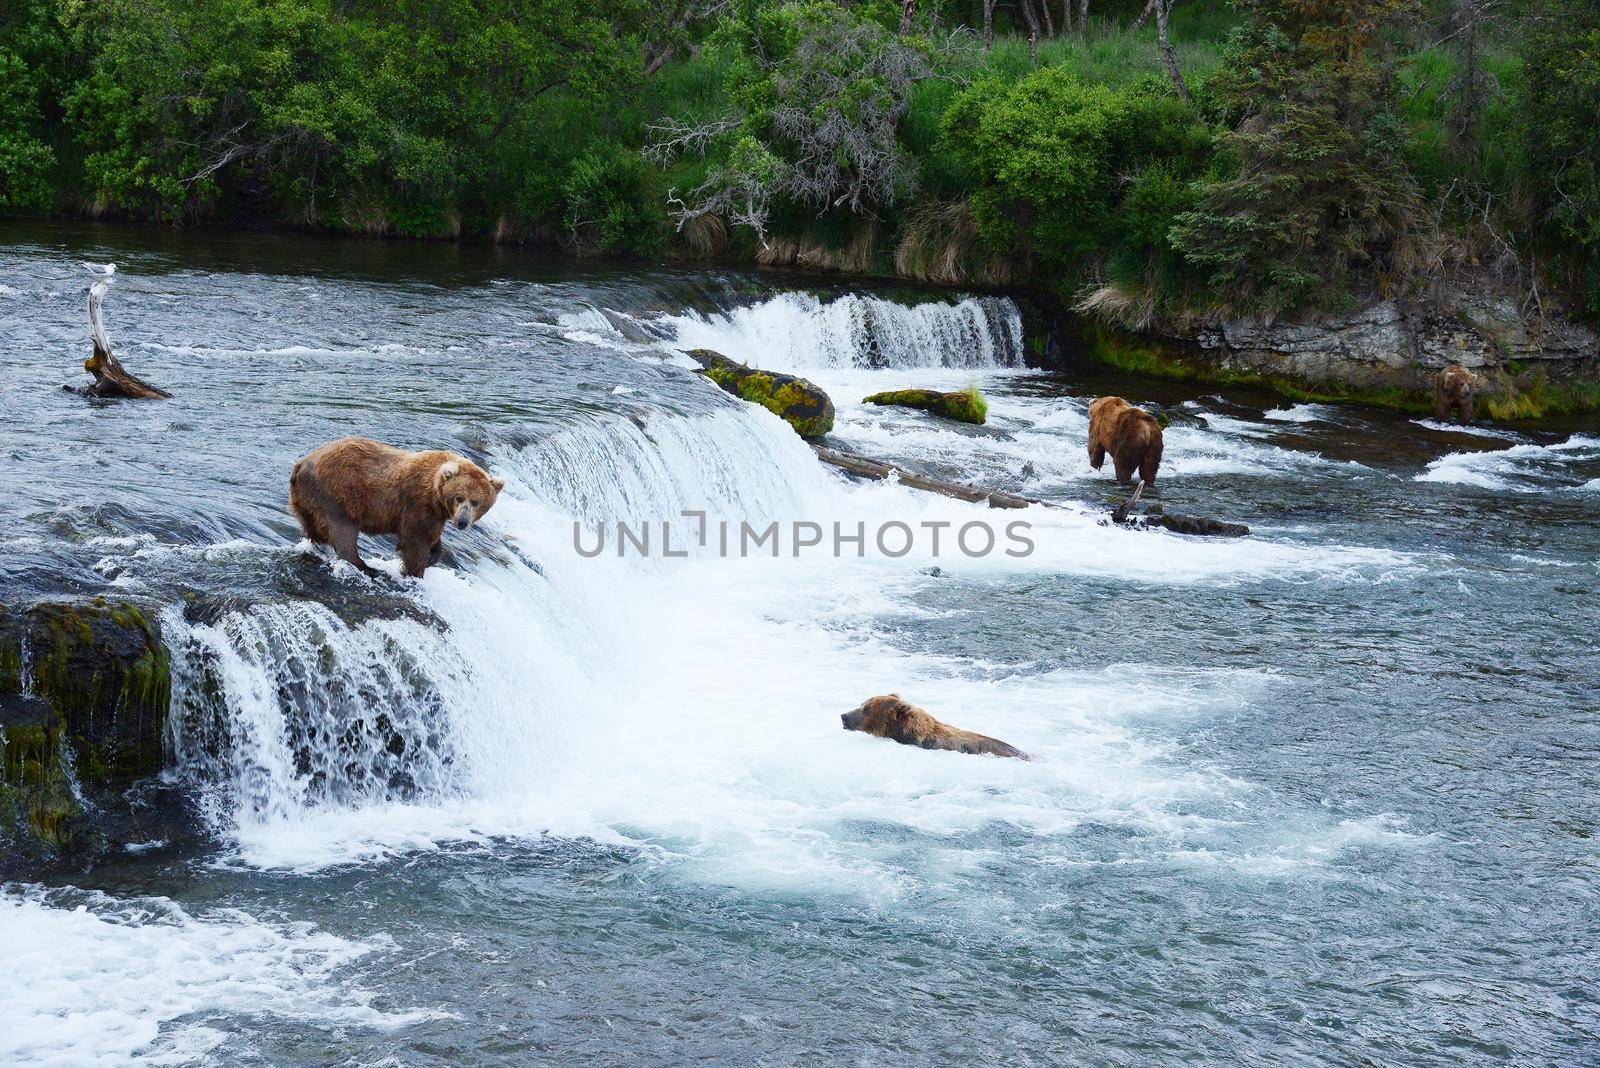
<point>1295,152</point>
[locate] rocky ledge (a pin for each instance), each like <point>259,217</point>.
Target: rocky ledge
<point>1390,344</point>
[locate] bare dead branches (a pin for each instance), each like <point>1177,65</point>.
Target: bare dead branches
<point>110,379</point>
<point>1168,54</point>
<point>827,141</point>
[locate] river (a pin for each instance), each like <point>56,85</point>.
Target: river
<point>1322,795</point>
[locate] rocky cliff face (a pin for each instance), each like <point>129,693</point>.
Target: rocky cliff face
<point>1390,344</point>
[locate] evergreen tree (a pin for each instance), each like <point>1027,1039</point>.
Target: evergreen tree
<point>1558,104</point>
<point>1313,185</point>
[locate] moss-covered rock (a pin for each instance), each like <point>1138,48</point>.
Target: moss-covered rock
<point>39,811</point>
<point>965,406</point>
<point>796,401</point>
<point>100,664</point>
<point>84,693</point>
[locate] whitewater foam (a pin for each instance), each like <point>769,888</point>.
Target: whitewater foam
<point>91,979</point>
<point>1298,413</point>
<point>687,707</point>
<point>1525,468</point>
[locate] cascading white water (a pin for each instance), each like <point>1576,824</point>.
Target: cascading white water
<point>800,331</point>
<point>689,704</point>
<point>287,710</point>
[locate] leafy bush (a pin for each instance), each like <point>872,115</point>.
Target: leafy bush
<point>25,159</point>
<point>1066,171</point>
<point>612,204</point>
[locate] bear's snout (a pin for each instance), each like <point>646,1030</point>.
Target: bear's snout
<point>852,720</point>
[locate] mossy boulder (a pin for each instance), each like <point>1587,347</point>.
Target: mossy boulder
<point>40,816</point>
<point>100,664</point>
<point>84,693</point>
<point>796,401</point>
<point>964,406</point>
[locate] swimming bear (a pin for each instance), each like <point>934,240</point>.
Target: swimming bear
<point>890,717</point>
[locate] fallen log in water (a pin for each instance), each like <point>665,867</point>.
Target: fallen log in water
<point>110,378</point>
<point>860,465</point>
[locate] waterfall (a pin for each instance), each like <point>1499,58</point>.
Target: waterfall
<point>800,331</point>
<point>482,680</point>
<point>285,708</point>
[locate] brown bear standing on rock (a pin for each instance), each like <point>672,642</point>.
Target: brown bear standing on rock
<point>1131,435</point>
<point>890,717</point>
<point>1454,388</point>
<point>357,486</point>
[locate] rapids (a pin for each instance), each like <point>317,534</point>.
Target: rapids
<point>1321,795</point>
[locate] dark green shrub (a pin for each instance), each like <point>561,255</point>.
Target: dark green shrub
<point>1067,170</point>
<point>1558,104</point>
<point>612,204</point>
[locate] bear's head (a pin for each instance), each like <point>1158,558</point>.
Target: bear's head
<point>1462,381</point>
<point>465,491</point>
<point>877,715</point>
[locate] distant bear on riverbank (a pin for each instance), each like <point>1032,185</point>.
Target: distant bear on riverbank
<point>1454,388</point>
<point>890,717</point>
<point>358,486</point>
<point>1131,435</point>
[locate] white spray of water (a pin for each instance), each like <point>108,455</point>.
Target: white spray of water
<point>1526,468</point>
<point>1470,431</point>
<point>1298,413</point>
<point>688,705</point>
<point>800,332</point>
<point>91,979</point>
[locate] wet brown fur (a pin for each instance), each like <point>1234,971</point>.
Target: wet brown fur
<point>1454,388</point>
<point>1131,435</point>
<point>358,486</point>
<point>890,717</point>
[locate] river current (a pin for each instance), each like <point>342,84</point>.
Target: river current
<point>1323,795</point>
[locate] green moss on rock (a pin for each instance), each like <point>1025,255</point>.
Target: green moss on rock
<point>965,406</point>
<point>39,810</point>
<point>796,401</point>
<point>102,668</point>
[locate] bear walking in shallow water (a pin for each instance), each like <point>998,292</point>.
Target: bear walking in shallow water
<point>357,486</point>
<point>1131,435</point>
<point>1454,388</point>
<point>890,717</point>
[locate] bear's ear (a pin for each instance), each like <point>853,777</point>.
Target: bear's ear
<point>497,482</point>
<point>445,473</point>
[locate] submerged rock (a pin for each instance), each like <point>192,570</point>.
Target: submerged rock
<point>796,401</point>
<point>1181,524</point>
<point>85,690</point>
<point>1163,420</point>
<point>1195,524</point>
<point>966,406</point>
